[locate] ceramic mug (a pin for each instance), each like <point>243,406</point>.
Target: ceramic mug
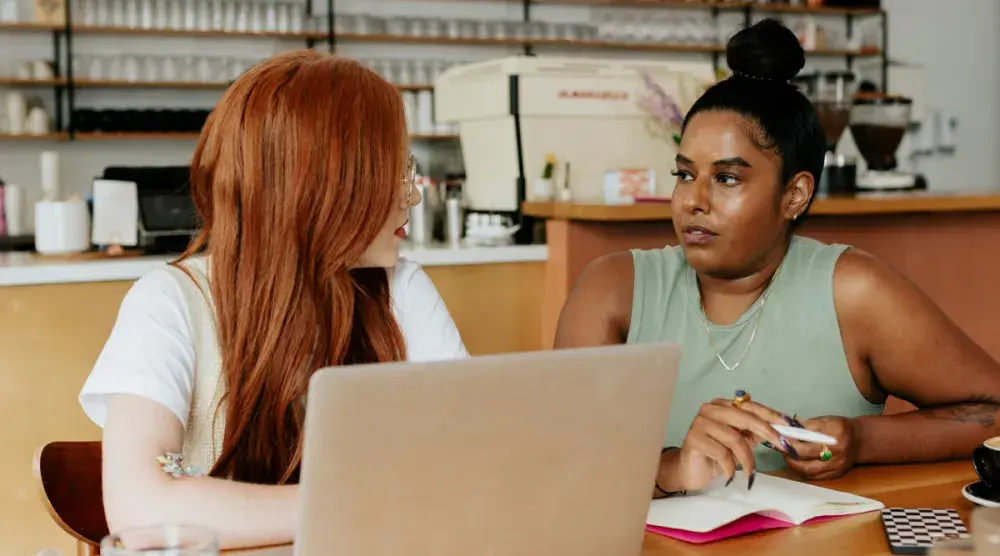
<point>986,460</point>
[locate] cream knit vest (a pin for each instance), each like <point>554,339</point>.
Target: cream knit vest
<point>206,423</point>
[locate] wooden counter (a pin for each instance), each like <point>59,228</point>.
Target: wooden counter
<point>51,334</point>
<point>895,203</point>
<point>948,244</point>
<point>916,486</point>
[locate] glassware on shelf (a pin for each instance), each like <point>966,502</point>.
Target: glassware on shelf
<point>151,69</point>
<point>189,15</point>
<point>161,14</point>
<point>146,15</point>
<point>109,12</point>
<point>230,17</point>
<point>435,27</point>
<point>395,26</point>
<point>467,28</point>
<point>298,17</point>
<point>203,21</point>
<point>404,72</point>
<point>169,71</point>
<point>270,17</point>
<point>284,20</point>
<point>131,9</point>
<point>365,24</point>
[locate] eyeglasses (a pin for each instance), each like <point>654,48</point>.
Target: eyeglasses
<point>409,176</point>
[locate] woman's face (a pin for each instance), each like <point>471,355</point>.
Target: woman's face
<point>384,251</point>
<point>730,211</point>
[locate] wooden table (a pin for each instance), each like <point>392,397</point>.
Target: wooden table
<point>916,486</point>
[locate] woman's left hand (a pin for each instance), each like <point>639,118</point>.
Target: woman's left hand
<point>843,455</point>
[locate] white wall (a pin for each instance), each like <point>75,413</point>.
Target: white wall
<point>958,43</point>
<point>963,79</point>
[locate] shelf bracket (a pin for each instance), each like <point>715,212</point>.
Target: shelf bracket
<point>331,32</point>
<point>70,89</point>
<point>57,69</point>
<point>526,9</point>
<point>311,41</point>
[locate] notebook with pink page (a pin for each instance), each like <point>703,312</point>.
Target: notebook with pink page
<point>719,512</point>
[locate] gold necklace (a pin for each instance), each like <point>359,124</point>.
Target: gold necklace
<point>753,333</point>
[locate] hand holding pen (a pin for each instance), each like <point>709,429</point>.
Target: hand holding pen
<point>821,458</point>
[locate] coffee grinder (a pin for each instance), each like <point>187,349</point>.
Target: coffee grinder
<point>878,124</point>
<point>832,99</point>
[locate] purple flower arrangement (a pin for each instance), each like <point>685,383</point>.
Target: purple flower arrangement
<point>661,106</point>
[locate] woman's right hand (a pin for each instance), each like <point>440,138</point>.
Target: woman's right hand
<point>721,437</point>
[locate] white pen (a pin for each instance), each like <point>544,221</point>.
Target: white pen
<point>805,435</point>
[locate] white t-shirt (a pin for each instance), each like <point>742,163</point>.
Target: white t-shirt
<point>151,350</point>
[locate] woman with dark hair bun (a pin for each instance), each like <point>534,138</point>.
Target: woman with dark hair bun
<point>819,334</point>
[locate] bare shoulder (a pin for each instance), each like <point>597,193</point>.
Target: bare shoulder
<point>862,283</point>
<point>913,348</point>
<point>608,281</point>
<point>610,269</point>
<point>599,306</point>
<point>868,297</point>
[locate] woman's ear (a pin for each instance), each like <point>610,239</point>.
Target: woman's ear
<point>797,195</point>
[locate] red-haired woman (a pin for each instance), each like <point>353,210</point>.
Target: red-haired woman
<point>303,178</point>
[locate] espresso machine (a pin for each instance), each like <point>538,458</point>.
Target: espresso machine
<point>513,112</point>
<point>831,96</point>
<point>878,124</point>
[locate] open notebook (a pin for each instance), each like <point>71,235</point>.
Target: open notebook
<point>717,512</point>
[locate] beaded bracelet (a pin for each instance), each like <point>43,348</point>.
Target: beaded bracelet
<point>656,485</point>
<point>173,464</point>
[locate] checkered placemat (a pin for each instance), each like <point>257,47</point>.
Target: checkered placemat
<point>915,530</point>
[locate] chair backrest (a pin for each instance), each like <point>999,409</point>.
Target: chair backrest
<point>69,477</point>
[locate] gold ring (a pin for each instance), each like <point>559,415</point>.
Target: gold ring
<point>826,454</point>
<point>740,397</point>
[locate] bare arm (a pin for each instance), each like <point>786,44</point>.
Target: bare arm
<point>914,352</point>
<point>599,308</point>
<point>137,492</point>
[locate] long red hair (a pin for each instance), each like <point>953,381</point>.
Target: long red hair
<point>297,169</point>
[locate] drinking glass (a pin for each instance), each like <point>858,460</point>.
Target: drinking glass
<point>131,8</point>
<point>985,539</point>
<point>298,18</point>
<point>162,540</point>
<point>953,547</point>
<point>230,16</point>
<point>986,531</point>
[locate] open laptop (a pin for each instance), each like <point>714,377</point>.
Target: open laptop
<point>549,453</point>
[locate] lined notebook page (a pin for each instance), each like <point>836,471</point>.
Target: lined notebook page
<point>781,499</point>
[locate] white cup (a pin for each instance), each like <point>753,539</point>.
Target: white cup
<point>12,203</point>
<point>43,69</point>
<point>38,121</point>
<point>61,227</point>
<point>25,70</point>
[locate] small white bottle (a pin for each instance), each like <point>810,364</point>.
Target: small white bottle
<point>13,210</point>
<point>425,113</point>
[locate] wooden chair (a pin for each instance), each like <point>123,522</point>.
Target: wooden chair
<point>69,478</point>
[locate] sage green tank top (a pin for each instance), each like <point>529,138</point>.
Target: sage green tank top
<point>796,364</point>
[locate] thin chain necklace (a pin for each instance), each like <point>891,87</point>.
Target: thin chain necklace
<point>753,333</point>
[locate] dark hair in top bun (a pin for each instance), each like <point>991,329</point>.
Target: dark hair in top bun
<point>764,58</point>
<point>767,50</point>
